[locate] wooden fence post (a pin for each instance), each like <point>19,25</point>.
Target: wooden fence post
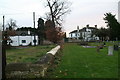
<point>3,61</point>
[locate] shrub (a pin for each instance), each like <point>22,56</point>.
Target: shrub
<point>83,43</point>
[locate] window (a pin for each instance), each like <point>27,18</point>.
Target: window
<point>35,41</point>
<point>76,34</point>
<point>23,41</point>
<point>71,34</point>
<point>23,34</point>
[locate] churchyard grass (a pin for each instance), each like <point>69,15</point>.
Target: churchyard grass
<point>79,62</point>
<point>28,54</point>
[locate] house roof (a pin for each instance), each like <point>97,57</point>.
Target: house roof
<point>83,29</point>
<point>74,31</point>
<point>24,33</point>
<point>91,27</point>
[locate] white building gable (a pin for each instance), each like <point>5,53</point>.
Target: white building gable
<point>23,38</point>
<point>84,34</point>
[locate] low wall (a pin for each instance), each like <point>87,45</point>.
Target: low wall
<point>30,70</point>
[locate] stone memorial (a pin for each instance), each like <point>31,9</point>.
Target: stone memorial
<point>104,44</point>
<point>98,49</point>
<point>116,47</point>
<point>110,50</point>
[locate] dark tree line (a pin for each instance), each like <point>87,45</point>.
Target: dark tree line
<point>46,31</point>
<point>113,26</point>
<point>102,33</point>
<point>112,32</point>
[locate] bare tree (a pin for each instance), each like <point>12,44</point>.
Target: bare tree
<point>10,31</point>
<point>11,24</point>
<point>58,9</point>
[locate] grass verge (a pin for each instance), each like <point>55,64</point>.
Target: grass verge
<point>28,54</point>
<point>79,62</point>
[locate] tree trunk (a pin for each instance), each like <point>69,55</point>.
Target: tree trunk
<point>52,17</point>
<point>51,11</point>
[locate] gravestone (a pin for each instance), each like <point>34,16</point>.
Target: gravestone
<point>110,50</point>
<point>98,49</point>
<point>104,44</point>
<point>116,48</point>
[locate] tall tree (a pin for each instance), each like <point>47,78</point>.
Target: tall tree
<point>41,31</point>
<point>11,27</point>
<point>11,24</point>
<point>113,25</point>
<point>54,35</point>
<point>58,8</point>
<point>102,33</point>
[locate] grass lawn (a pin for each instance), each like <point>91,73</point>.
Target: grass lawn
<point>79,62</point>
<point>29,54</point>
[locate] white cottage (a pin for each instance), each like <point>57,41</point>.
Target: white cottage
<point>84,33</point>
<point>23,38</point>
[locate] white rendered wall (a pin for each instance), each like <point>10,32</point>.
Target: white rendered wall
<point>14,41</point>
<point>73,35</point>
<point>36,37</point>
<point>17,40</point>
<point>86,35</point>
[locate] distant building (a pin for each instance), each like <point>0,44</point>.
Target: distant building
<point>23,38</point>
<point>119,11</point>
<point>84,34</point>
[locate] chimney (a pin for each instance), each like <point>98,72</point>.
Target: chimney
<point>77,27</point>
<point>95,26</point>
<point>28,32</point>
<point>87,25</point>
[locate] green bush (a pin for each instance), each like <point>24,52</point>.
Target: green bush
<point>83,43</point>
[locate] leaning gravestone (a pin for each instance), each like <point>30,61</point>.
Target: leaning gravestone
<point>110,50</point>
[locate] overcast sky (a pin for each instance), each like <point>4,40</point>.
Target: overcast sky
<point>83,12</point>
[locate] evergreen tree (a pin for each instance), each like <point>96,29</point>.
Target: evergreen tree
<point>41,31</point>
<point>113,25</point>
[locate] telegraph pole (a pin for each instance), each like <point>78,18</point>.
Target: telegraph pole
<point>34,28</point>
<point>77,32</point>
<point>3,51</point>
<point>3,23</point>
<point>0,55</point>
